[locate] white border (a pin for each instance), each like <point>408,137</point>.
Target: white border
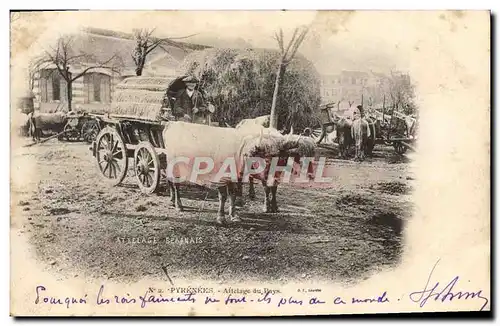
<point>189,4</point>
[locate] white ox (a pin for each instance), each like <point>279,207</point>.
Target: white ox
<point>262,121</point>
<point>304,147</point>
<point>203,154</point>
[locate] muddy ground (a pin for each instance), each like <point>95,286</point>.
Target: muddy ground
<point>81,227</point>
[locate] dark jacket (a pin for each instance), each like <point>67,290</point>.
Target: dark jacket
<point>184,104</point>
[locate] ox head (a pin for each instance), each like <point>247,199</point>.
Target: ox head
<point>297,147</point>
<point>269,144</point>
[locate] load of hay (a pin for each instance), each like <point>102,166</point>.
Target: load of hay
<point>240,83</point>
<point>140,97</point>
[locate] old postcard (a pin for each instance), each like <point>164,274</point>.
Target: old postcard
<point>249,163</point>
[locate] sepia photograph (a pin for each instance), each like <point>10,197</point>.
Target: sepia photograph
<point>249,163</point>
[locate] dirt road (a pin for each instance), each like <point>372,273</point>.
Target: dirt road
<point>79,226</point>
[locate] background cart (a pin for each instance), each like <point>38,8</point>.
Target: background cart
<point>397,130</point>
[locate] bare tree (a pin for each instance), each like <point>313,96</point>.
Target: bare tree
<point>63,56</point>
<point>147,43</point>
<point>402,93</point>
<point>287,54</point>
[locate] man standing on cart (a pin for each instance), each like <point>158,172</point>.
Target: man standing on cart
<point>190,105</point>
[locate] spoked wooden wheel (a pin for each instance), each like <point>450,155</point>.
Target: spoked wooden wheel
<point>315,134</point>
<point>400,148</point>
<point>111,156</point>
<point>147,167</point>
<point>71,134</point>
<point>90,130</point>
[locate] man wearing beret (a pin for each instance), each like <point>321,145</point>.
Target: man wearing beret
<point>189,105</point>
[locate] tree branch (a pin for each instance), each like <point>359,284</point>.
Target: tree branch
<point>153,46</point>
<point>101,65</point>
<point>55,61</point>
<point>279,38</point>
<point>291,42</point>
<point>297,44</point>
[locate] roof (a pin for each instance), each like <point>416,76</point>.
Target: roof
<point>106,43</point>
<point>122,35</point>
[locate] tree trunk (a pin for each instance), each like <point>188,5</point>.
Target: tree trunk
<point>274,115</point>
<point>140,66</point>
<point>69,88</point>
<point>138,71</point>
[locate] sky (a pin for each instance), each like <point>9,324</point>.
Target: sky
<point>439,49</point>
<point>337,41</point>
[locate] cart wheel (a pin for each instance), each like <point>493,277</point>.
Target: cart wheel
<point>147,167</point>
<point>71,134</point>
<point>400,148</point>
<point>111,156</point>
<point>90,130</point>
<point>315,134</point>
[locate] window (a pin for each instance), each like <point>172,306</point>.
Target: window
<point>56,87</point>
<point>52,86</point>
<point>97,88</point>
<point>353,81</point>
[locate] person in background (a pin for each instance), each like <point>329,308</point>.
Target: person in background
<point>361,111</point>
<point>327,120</point>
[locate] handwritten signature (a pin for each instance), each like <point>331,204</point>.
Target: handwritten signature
<point>448,293</point>
<point>431,290</point>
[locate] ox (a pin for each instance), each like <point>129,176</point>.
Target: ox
<point>255,124</point>
<point>348,136</point>
<point>344,136</point>
<point>263,121</point>
<point>360,132</point>
<point>374,128</point>
<point>54,122</point>
<point>197,141</point>
<point>305,147</point>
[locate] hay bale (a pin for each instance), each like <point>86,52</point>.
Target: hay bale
<point>159,81</point>
<point>145,87</point>
<point>139,97</point>
<point>240,83</point>
<point>139,110</point>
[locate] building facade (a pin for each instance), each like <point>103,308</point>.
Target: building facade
<point>351,88</point>
<point>93,91</point>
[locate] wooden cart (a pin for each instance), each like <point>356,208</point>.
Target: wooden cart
<point>123,138</point>
<point>401,137</point>
<point>80,126</point>
<point>138,137</point>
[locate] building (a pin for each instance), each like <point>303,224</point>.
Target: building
<point>344,87</point>
<point>350,88</point>
<point>94,90</point>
